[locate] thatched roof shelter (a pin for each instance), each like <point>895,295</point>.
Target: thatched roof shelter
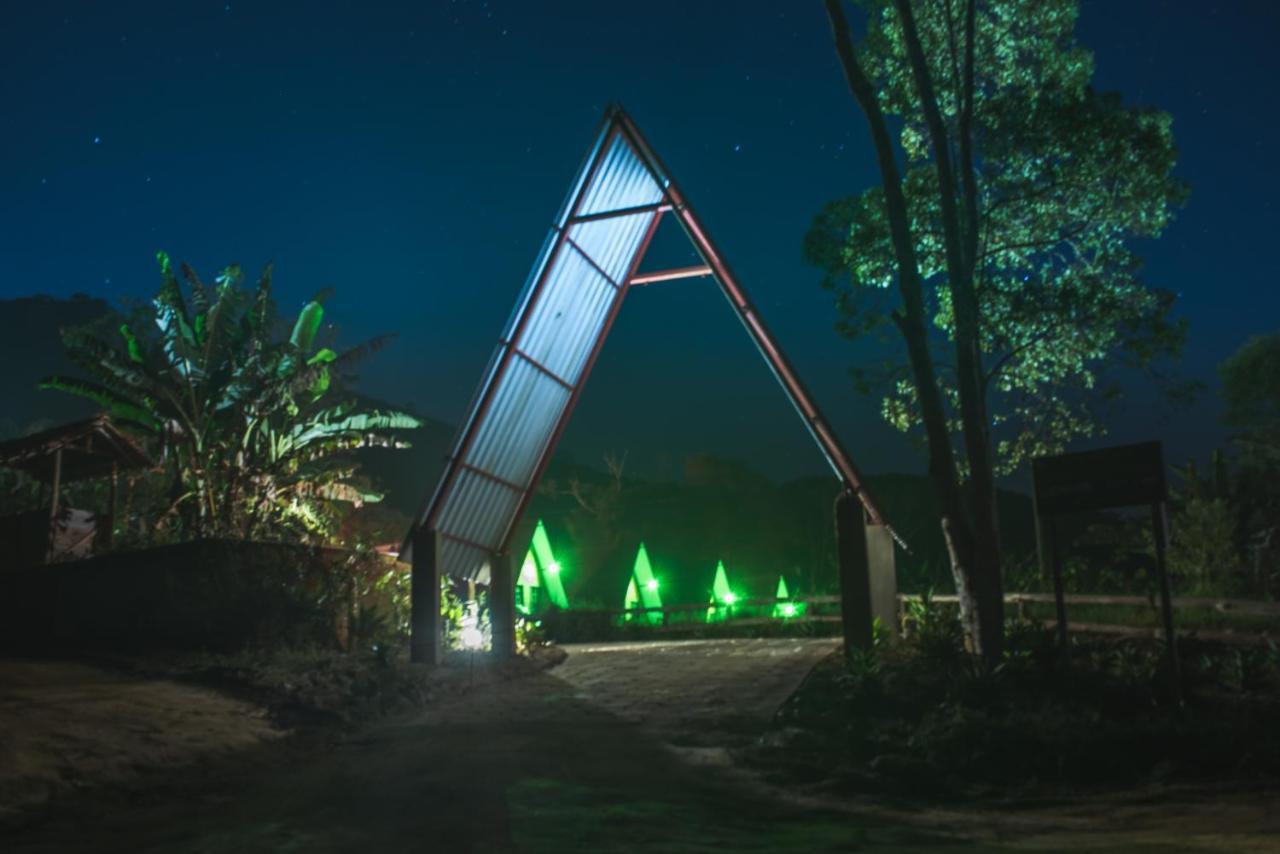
<point>84,449</point>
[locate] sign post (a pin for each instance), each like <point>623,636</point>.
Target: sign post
<point>1120,476</point>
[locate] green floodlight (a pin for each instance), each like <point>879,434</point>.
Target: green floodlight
<point>632,597</point>
<point>551,569</point>
<point>646,584</point>
<point>525,583</point>
<point>721,594</point>
<point>785,609</point>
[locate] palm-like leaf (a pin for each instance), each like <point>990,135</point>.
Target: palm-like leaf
<point>118,406</point>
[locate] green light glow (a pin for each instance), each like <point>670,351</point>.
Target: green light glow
<point>540,548</point>
<point>525,583</point>
<point>632,597</point>
<point>529,572</point>
<point>646,584</point>
<point>720,593</point>
<point>785,609</point>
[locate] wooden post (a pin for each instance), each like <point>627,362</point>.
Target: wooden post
<point>855,582</point>
<point>882,580</point>
<point>425,635</point>
<point>1160,523</point>
<point>1050,553</point>
<point>1059,588</point>
<point>502,606</point>
<point>54,489</point>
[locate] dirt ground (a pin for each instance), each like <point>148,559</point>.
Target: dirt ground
<point>619,749</point>
<point>67,726</point>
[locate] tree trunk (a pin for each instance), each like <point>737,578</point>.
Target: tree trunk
<point>978,582</point>
<point>972,540</point>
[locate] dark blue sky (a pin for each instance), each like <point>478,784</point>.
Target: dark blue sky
<point>412,155</point>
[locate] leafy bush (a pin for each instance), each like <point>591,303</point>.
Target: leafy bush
<point>243,421</point>
<point>919,720</point>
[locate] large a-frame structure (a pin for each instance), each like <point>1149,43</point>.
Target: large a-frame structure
<point>528,391</point>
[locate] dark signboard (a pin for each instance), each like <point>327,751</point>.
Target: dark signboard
<point>1122,476</point>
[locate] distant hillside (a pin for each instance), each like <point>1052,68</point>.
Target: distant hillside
<point>31,349</point>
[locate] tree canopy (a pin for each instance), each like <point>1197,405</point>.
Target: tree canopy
<point>1067,179</point>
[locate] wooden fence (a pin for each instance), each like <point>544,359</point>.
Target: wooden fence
<point>751,608</point>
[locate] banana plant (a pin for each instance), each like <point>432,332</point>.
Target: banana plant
<point>240,417</point>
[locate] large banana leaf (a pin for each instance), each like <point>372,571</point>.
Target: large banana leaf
<point>306,326</point>
<point>131,345</point>
<point>118,406</point>
<point>349,426</point>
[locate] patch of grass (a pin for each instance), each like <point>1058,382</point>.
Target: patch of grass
<point>925,720</point>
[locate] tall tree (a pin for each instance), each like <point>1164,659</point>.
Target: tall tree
<point>1007,232</point>
<point>1251,392</point>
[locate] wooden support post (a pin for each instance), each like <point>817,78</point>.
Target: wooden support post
<point>54,489</point>
<point>502,606</point>
<point>1051,554</point>
<point>882,580</point>
<point>855,582</point>
<point>1160,523</point>
<point>425,624</point>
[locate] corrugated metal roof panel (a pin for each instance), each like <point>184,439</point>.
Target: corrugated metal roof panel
<point>621,182</point>
<point>478,509</point>
<point>612,243</point>
<point>560,316</point>
<point>525,409</point>
<point>464,561</point>
<point>566,320</point>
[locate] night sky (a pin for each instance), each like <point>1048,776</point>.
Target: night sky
<point>413,154</point>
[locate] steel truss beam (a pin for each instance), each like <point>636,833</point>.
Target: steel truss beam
<point>694,272</point>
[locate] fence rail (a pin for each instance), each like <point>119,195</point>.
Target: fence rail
<point>1241,607</point>
<point>1234,607</point>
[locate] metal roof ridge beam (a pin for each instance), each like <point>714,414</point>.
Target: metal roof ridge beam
<point>541,368</point>
<point>656,207</point>
<point>589,260</point>
<point>465,542</point>
<point>692,272</point>
<point>488,475</point>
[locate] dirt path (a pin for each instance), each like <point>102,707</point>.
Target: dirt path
<point>529,765</point>
<point>711,693</point>
<point>576,759</point>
